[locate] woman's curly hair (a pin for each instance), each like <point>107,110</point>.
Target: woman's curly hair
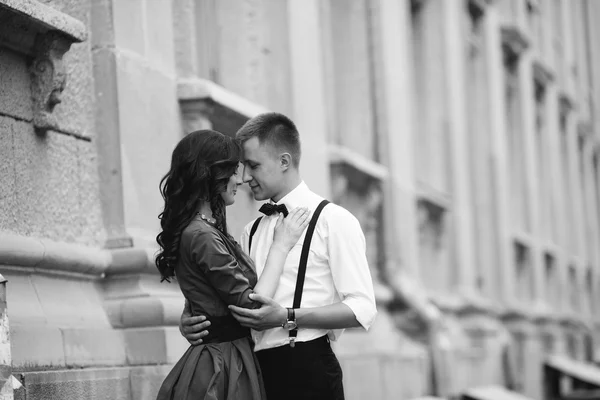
<point>201,165</point>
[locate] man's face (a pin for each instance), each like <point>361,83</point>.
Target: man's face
<point>262,170</point>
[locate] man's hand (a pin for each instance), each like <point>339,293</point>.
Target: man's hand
<point>193,328</point>
<point>269,315</point>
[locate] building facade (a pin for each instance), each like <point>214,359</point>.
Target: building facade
<point>463,134</point>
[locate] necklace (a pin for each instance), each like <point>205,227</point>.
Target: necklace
<point>207,219</point>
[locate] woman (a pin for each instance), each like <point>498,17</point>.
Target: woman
<point>211,269</point>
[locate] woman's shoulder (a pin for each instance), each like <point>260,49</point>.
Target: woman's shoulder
<point>198,229</point>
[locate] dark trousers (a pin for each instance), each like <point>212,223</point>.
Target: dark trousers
<point>308,371</point>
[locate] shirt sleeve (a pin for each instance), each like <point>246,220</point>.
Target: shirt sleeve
<point>222,270</point>
<point>349,267</point>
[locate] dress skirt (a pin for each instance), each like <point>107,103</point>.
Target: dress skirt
<point>215,371</point>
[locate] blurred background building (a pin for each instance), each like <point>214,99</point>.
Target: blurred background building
<point>463,134</point>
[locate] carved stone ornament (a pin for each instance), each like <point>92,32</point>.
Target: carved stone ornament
<point>514,42</point>
<point>48,78</point>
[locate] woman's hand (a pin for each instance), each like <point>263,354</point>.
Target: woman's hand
<point>288,230</point>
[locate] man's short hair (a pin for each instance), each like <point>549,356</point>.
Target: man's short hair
<point>274,129</point>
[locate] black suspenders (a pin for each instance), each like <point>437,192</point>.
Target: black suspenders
<point>303,260</point>
<point>303,257</point>
<point>252,232</point>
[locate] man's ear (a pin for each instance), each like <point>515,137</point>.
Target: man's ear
<point>285,160</point>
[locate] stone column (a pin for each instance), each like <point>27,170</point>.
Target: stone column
<point>108,129</point>
<point>532,177</point>
<point>557,193</point>
<point>397,128</point>
<point>569,46</point>
<point>591,225</point>
<point>394,114</point>
<point>309,104</point>
<point>499,154</point>
<point>462,209</point>
<point>138,125</point>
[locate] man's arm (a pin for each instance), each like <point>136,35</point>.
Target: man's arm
<point>193,328</point>
<point>272,315</point>
<point>351,276</point>
<point>346,246</point>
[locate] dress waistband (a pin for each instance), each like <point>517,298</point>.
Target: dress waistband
<point>224,329</point>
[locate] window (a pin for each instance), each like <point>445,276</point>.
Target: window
<point>433,246</point>
<point>545,197</point>
<point>524,273</point>
<point>352,76</point>
<point>574,299</point>
<point>566,179</point>
<point>552,283</point>
<point>431,141</point>
<point>557,40</point>
<point>589,292</point>
<point>596,194</point>
<point>479,142</point>
<point>515,139</point>
<point>533,22</point>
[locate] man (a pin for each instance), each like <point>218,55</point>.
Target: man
<point>337,291</point>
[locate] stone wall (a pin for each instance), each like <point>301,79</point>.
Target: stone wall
<point>50,182</point>
<point>411,137</point>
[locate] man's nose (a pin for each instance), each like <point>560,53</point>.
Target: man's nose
<point>246,177</point>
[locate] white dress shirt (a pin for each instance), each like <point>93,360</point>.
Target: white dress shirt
<point>337,268</point>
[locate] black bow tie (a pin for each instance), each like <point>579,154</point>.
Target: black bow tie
<point>269,209</point>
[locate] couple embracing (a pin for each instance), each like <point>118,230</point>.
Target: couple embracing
<point>260,314</point>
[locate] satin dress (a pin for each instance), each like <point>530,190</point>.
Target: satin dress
<point>213,272</point>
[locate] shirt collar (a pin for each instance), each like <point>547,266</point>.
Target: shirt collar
<point>295,198</point>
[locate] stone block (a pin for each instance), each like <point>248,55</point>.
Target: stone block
<point>145,381</point>
<point>90,209</point>
<point>36,347</point>
<point>56,187</point>
<point>157,345</point>
<point>24,308</point>
<point>97,384</point>
<point>46,177</point>
<point>101,24</point>
<point>151,311</point>
<point>159,35</point>
<point>128,17</point>
<point>149,113</point>
<point>7,174</point>
<point>76,112</point>
<point>15,96</point>
<point>94,347</point>
<point>70,303</point>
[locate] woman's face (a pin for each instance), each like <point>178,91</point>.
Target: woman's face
<point>235,180</point>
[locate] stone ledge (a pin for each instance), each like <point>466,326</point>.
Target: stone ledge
<point>115,383</point>
<point>362,164</point>
<point>144,312</point>
<point>59,258</point>
<point>201,89</point>
<point>44,255</point>
<point>47,18</point>
<point>206,105</point>
<point>131,260</point>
